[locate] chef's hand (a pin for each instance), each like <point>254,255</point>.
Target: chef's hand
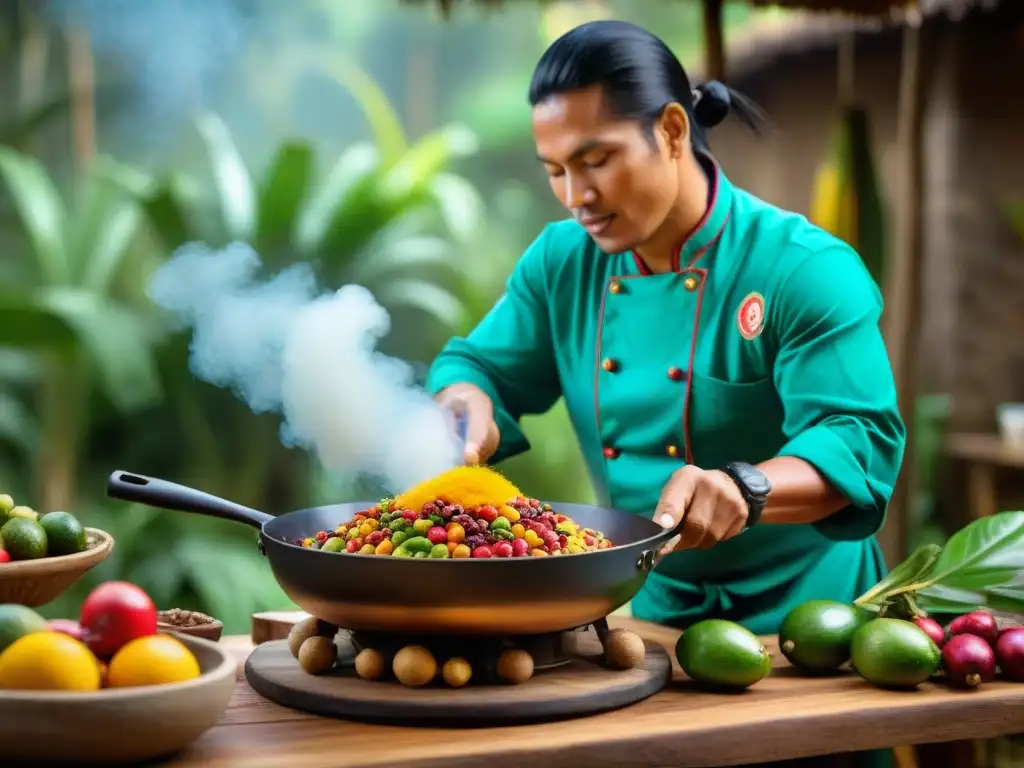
<point>475,406</point>
<point>709,502</point>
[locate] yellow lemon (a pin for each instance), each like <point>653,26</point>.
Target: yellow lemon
<point>48,661</point>
<point>152,660</point>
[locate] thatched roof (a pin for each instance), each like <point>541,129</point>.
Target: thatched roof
<point>862,8</point>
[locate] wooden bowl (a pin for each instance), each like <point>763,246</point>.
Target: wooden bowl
<point>118,724</point>
<point>207,629</point>
<point>38,582</point>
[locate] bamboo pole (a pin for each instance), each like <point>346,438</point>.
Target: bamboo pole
<point>714,41</point>
<point>904,284</point>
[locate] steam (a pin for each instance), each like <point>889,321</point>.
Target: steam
<point>284,347</point>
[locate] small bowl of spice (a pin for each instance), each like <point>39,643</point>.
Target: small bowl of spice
<point>189,623</point>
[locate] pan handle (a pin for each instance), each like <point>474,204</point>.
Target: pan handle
<point>167,495</point>
<point>650,557</point>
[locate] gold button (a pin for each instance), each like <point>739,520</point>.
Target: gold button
<point>609,365</point>
<point>690,283</point>
<point>672,450</point>
<point>615,286</point>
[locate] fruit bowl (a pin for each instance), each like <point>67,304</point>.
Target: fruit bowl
<point>119,724</point>
<point>38,582</point>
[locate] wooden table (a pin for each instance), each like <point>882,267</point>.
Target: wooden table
<point>984,456</point>
<point>784,716</point>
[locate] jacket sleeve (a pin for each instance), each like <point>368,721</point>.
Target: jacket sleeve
<point>833,376</point>
<point>510,354</point>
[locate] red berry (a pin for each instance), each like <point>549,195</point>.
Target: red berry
<point>437,535</point>
<point>321,536</point>
<point>5,556</point>
<point>482,551</point>
<point>502,548</point>
<point>373,513</point>
<point>375,538</point>
<point>353,545</point>
<point>590,541</point>
<point>519,547</point>
<point>488,513</point>
<point>535,503</point>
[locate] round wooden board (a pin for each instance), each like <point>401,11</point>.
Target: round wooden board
<point>583,686</point>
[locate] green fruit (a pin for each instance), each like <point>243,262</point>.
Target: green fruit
<point>815,636</point>
<point>23,539</point>
<point>439,551</point>
<point>16,621</point>
<point>334,544</point>
<point>6,505</point>
<point>64,534</point>
<point>24,512</point>
<point>892,653</point>
<point>723,653</point>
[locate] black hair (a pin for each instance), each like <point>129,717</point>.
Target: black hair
<point>639,75</point>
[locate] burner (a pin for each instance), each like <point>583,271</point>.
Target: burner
<point>548,650</point>
<point>571,675</point>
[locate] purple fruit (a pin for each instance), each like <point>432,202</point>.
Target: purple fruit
<point>933,629</point>
<point>1010,653</point>
<point>968,661</point>
<point>978,623</point>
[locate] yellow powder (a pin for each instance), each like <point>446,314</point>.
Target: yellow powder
<point>468,486</point>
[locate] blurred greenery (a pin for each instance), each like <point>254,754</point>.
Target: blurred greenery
<point>368,139</point>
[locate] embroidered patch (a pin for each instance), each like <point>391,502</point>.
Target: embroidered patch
<point>750,317</point>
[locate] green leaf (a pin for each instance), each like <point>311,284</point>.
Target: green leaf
<point>17,426</point>
<point>985,557</point>
<point>430,298</point>
<point>351,177</point>
<point>940,599</point>
<point>41,211</point>
<point>419,167</point>
<point>116,340</point>
<point>165,202</point>
<point>460,204</point>
<point>234,186</point>
<point>388,134</point>
<point>281,194</point>
<point>112,244</point>
<point>913,570</point>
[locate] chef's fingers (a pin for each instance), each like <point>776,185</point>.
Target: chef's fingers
<point>736,529</point>
<point>700,517</point>
<point>479,415</point>
<point>675,498</point>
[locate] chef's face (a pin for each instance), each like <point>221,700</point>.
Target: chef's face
<point>607,172</point>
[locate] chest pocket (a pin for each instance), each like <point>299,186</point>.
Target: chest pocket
<point>730,421</point>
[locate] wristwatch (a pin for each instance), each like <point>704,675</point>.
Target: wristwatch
<point>753,484</point>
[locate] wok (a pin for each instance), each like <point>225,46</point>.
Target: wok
<point>495,596</point>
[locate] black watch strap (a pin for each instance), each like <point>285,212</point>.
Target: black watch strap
<point>753,484</point>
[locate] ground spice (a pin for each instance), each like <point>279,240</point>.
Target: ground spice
<point>179,617</point>
<point>468,486</point>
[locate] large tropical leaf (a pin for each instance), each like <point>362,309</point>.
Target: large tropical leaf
<point>284,188</point>
<point>235,193</point>
<point>116,340</point>
<point>41,211</point>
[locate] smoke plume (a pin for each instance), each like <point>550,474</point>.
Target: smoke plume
<point>283,346</point>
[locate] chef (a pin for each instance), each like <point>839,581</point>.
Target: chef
<point>720,358</point>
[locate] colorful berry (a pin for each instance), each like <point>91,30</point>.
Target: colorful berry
<point>519,548</point>
<point>437,535</point>
<point>483,551</point>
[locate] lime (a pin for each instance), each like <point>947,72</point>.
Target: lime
<point>22,511</point>
<point>6,505</point>
<point>723,653</point>
<point>23,539</point>
<point>815,636</point>
<point>64,534</point>
<point>892,653</point>
<point>17,620</point>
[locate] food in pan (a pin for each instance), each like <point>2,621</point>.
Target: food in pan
<point>460,514</point>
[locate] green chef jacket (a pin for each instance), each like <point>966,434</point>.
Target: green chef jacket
<point>763,342</point>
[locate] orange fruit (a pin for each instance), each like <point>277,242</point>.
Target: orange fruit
<point>152,660</point>
<point>48,661</point>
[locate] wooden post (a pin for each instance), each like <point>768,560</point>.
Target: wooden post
<point>903,289</point>
<point>714,41</point>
